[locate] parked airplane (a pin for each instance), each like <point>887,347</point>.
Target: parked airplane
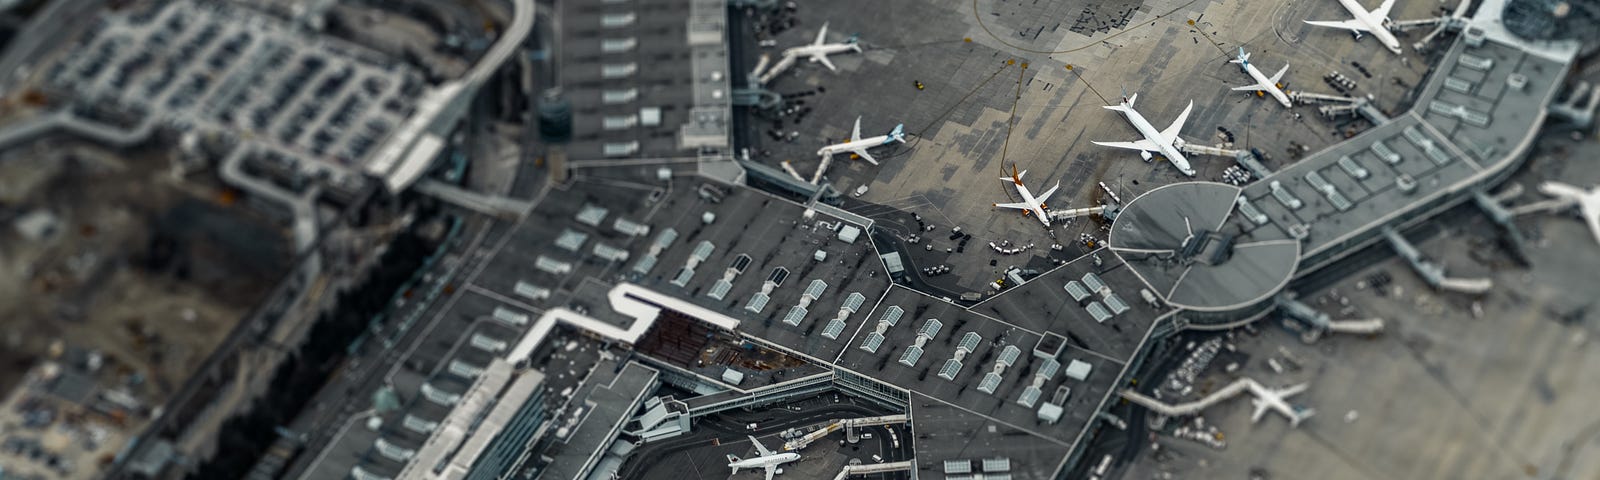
<point>1029,205</point>
<point>1276,400</point>
<point>819,51</point>
<point>1587,200</point>
<point>1375,22</point>
<point>1263,83</point>
<point>859,146</point>
<point>1165,142</point>
<point>767,459</point>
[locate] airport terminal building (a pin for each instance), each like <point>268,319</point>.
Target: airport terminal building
<point>704,263</point>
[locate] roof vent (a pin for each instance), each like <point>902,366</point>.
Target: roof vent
<point>1517,81</point>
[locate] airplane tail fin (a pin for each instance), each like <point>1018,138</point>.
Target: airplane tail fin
<point>899,133</point>
<point>1126,104</point>
<point>1301,415</point>
<point>734,459</point>
<point>1016,177</point>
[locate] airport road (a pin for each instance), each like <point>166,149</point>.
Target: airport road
<point>48,28</point>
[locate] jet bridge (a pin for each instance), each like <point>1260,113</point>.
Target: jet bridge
<point>841,424</point>
<point>1503,217</point>
<point>1431,272</point>
<point>1244,384</point>
<point>871,468</point>
<point>1189,408</point>
<point>1076,212</point>
<point>1321,322</point>
<point>1208,150</point>
<point>1341,105</point>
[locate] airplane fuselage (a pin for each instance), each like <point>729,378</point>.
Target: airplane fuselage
<point>824,49</point>
<point>1167,146</point>
<point>763,462</point>
<point>1267,83</point>
<point>1376,25</point>
<point>1033,204</point>
<point>864,143</point>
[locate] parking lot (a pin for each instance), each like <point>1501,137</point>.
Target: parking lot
<point>229,69</point>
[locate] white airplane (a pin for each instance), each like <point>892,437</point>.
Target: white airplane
<point>1275,400</point>
<point>1375,22</point>
<point>1165,142</point>
<point>1263,83</point>
<point>767,459</point>
<point>819,51</point>
<point>859,146</point>
<point>1587,200</point>
<point>1029,205</point>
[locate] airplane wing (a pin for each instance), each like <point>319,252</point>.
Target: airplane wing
<point>1261,409</point>
<point>864,156</point>
<point>824,60</point>
<point>759,447</point>
<point>1171,132</point>
<point>856,133</point>
<point>1383,10</point>
<point>1250,88</point>
<point>1046,195</point>
<point>1145,145</point>
<point>1018,206</point>
<point>771,469</point>
<point>1277,77</point>
<point>822,34</point>
<point>1592,216</point>
<point>1556,189</point>
<point>1351,24</point>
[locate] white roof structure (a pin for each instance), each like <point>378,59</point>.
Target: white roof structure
<point>1078,370</point>
<point>849,233</point>
<point>476,420</point>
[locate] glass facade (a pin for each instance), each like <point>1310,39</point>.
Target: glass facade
<point>497,461</point>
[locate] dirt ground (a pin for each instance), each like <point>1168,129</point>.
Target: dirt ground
<point>148,269</point>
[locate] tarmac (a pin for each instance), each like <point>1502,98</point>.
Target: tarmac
<point>1013,72</point>
<point>702,455</point>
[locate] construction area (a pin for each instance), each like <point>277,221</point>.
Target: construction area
<point>120,276</point>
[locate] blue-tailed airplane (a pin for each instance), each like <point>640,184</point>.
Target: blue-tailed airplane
<point>859,146</point>
<point>1271,85</point>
